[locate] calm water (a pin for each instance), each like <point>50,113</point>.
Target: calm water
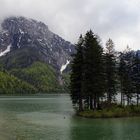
<point>51,117</point>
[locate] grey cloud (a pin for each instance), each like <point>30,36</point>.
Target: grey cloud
<point>119,20</point>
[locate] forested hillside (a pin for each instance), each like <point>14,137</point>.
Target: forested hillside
<point>30,52</point>
<point>12,85</point>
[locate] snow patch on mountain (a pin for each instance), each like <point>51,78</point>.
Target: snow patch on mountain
<point>18,44</point>
<point>28,34</point>
<point>21,31</point>
<point>63,67</point>
<point>6,51</point>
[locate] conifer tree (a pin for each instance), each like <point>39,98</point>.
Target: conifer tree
<point>126,75</point>
<point>77,75</point>
<point>110,70</point>
<point>121,73</point>
<point>136,75</point>
<point>93,69</point>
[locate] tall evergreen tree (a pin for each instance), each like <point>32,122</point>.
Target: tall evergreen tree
<point>77,75</point>
<point>93,69</point>
<point>121,73</point>
<point>136,75</point>
<point>126,75</point>
<point>110,70</point>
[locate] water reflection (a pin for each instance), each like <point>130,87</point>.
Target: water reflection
<point>51,118</point>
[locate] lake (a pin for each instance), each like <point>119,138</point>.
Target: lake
<point>51,117</point>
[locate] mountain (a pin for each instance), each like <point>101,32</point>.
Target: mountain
<point>31,52</point>
<point>32,40</point>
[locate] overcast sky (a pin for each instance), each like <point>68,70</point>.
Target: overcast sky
<point>116,19</point>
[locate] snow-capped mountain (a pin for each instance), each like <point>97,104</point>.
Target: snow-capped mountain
<point>30,40</point>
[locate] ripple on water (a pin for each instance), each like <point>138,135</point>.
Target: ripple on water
<point>51,118</point>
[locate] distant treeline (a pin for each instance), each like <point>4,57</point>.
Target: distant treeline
<point>99,74</point>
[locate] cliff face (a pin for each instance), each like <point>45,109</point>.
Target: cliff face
<point>24,41</point>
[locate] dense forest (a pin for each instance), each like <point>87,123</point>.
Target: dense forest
<point>99,74</point>
<point>36,78</point>
<point>12,85</point>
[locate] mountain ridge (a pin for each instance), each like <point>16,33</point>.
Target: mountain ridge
<point>32,53</point>
<point>20,32</point>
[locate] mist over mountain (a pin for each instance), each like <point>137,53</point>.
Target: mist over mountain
<point>34,54</point>
<point>34,39</point>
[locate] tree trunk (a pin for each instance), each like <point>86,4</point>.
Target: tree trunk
<point>91,102</point>
<point>109,98</point>
<point>95,103</point>
<point>128,101</point>
<point>137,99</point>
<point>121,99</point>
<point>80,104</point>
<point>98,103</point>
<point>88,103</point>
<point>122,96</point>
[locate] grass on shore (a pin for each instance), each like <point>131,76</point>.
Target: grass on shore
<point>114,112</point>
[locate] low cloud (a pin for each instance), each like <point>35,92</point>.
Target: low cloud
<point>119,20</point>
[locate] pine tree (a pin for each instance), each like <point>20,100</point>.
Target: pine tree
<point>126,75</point>
<point>121,77</point>
<point>136,75</point>
<point>93,69</point>
<point>110,70</point>
<point>77,75</point>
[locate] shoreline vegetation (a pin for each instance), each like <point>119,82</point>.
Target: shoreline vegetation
<point>114,112</point>
<point>33,94</point>
<point>98,74</point>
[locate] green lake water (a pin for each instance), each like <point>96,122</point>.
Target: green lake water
<point>51,117</point>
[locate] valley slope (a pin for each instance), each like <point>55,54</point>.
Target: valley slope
<point>32,53</point>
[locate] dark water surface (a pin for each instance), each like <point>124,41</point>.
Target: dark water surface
<point>51,117</point>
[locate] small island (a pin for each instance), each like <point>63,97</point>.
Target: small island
<point>114,112</point>
<point>104,83</point>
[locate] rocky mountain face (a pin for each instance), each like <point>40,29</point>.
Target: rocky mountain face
<point>23,41</point>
